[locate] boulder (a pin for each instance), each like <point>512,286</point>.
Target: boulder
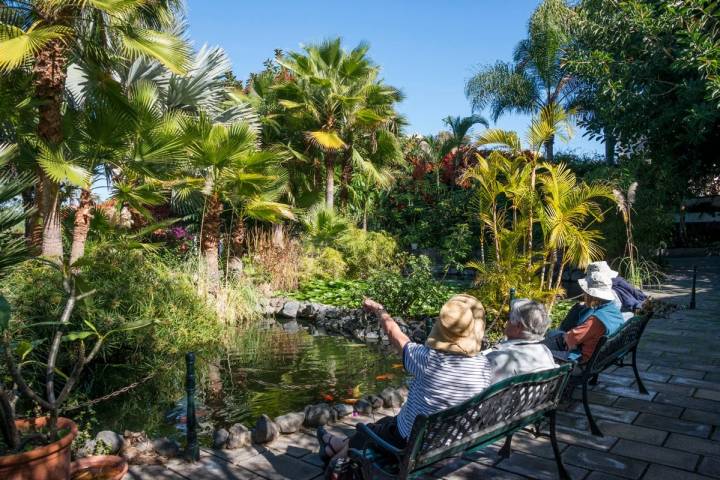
<point>165,447</point>
<point>238,437</point>
<point>265,430</point>
<point>343,410</point>
<point>307,310</point>
<point>220,438</point>
<point>363,407</point>
<point>290,309</point>
<point>372,337</point>
<point>319,414</point>
<point>376,401</point>
<point>291,422</point>
<point>391,398</point>
<point>113,441</point>
<point>291,327</point>
<point>87,449</point>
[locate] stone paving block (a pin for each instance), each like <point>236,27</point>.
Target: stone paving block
<point>235,456</point>
<point>610,413</point>
<point>701,416</point>
<point>598,398</point>
<point>475,471</point>
<point>572,420</point>
<point>683,372</point>
<point>688,366</point>
<point>646,375</point>
<point>151,472</point>
<point>700,446</point>
<point>585,439</point>
<point>661,472</point>
<point>314,459</point>
<point>669,388</point>
<point>673,425</point>
<point>712,377</point>
<point>710,466</point>
<point>688,402</point>
<point>655,454</point>
<point>694,382</point>
<point>604,462</point>
<point>486,456</point>
<point>648,407</point>
<point>602,476</point>
<point>211,468</point>
<point>536,467</point>
<point>528,443</point>
<point>296,445</point>
<point>707,394</point>
<point>272,466</point>
<point>629,392</point>
<point>616,379</point>
<point>632,432</point>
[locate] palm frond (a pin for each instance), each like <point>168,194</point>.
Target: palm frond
<point>17,46</point>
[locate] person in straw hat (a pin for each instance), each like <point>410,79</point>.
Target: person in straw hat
<point>598,315</point>
<point>447,370</point>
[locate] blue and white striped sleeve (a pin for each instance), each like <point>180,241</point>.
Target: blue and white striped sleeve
<point>415,358</point>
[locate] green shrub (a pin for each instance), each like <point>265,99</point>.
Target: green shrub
<point>367,252</point>
<point>414,294</point>
<point>325,263</point>
<point>457,246</point>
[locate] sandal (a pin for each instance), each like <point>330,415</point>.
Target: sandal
<point>321,432</point>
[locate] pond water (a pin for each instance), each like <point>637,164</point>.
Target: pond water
<point>275,373</point>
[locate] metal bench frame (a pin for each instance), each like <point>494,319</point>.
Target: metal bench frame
<point>610,350</point>
<point>496,413</point>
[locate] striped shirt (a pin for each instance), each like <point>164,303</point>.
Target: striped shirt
<point>441,380</point>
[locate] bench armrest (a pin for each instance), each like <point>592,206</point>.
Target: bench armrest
<point>376,440</point>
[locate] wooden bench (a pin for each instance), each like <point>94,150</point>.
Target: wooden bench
<point>610,350</point>
<point>497,413</point>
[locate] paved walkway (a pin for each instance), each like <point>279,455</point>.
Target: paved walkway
<point>671,433</point>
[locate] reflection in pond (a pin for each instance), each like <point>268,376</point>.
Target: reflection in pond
<point>266,371</point>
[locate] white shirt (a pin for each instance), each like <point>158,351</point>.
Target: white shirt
<point>516,357</point>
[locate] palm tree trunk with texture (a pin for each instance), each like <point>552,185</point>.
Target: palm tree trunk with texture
<point>329,181</point>
<point>210,242</point>
<point>237,246</point>
<point>83,216</point>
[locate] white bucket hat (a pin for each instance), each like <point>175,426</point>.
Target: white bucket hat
<point>597,284</point>
<point>602,267</point>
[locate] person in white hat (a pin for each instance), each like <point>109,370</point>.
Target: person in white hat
<point>447,370</point>
<point>598,316</point>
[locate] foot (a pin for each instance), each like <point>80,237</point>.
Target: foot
<point>330,445</point>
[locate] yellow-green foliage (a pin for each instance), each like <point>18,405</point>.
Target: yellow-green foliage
<point>366,252</point>
<point>324,263</point>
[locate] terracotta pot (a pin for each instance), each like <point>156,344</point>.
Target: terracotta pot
<point>100,467</point>
<point>49,462</point>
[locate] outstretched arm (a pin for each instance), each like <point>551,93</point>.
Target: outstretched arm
<point>397,338</point>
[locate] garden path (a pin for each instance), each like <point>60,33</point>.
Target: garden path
<point>671,433</point>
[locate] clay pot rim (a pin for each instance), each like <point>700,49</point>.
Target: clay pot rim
<point>95,461</point>
<point>45,450</point>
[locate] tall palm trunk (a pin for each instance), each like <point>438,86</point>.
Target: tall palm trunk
<point>237,246</point>
<point>50,73</point>
<point>210,241</point>
<point>345,178</point>
<point>330,180</point>
<point>83,216</point>
<point>551,269</point>
<point>550,149</point>
<point>533,175</point>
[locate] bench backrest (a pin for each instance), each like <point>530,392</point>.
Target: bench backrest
<point>613,347</point>
<point>498,411</point>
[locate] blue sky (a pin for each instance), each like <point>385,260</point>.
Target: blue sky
<point>427,49</point>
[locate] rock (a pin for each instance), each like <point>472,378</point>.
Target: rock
<point>372,337</point>
<point>343,410</point>
<point>87,450</point>
<point>363,407</point>
<point>376,401</point>
<point>144,447</point>
<point>291,422</point>
<point>319,414</point>
<point>220,438</point>
<point>307,310</point>
<point>165,447</point>
<point>290,309</point>
<point>291,327</point>
<point>238,437</point>
<point>265,430</point>
<point>391,398</point>
<point>112,440</point>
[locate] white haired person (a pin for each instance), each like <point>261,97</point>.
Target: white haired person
<point>523,350</point>
<point>598,315</point>
<point>448,369</point>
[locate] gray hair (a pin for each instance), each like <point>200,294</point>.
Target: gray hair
<point>531,316</point>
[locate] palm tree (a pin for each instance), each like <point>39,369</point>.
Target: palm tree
<point>458,139</point>
<point>48,35</point>
<point>568,208</point>
<point>227,167</point>
<point>536,78</point>
<point>552,121</point>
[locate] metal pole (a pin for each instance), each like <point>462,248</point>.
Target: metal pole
<point>192,450</point>
<point>692,295</point>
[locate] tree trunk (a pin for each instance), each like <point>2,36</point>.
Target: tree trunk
<point>29,199</point>
<point>237,246</point>
<point>530,215</point>
<point>50,72</point>
<point>83,216</point>
<point>7,420</point>
<point>345,178</point>
<point>330,180</point>
<point>610,142</point>
<point>551,270</point>
<point>210,242</point>
<point>550,149</point>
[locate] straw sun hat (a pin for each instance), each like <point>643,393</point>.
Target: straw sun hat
<point>460,328</point>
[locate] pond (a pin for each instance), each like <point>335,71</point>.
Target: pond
<point>272,372</point>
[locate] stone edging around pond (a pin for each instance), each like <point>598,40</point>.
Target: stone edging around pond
<point>330,320</point>
<point>267,430</point>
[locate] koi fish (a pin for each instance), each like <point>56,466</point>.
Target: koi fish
<point>384,377</point>
<point>350,401</point>
<point>398,365</point>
